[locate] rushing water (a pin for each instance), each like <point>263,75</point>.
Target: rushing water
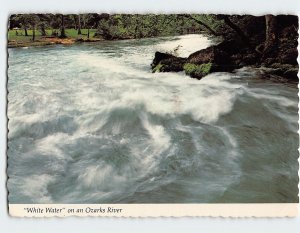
<point>90,123</point>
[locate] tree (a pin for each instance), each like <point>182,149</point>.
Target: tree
<point>238,31</point>
<point>74,17</point>
<point>91,21</point>
<point>271,33</point>
<point>54,23</point>
<point>62,27</point>
<point>42,28</point>
<point>23,20</point>
<point>33,20</point>
<point>200,22</point>
<point>79,25</point>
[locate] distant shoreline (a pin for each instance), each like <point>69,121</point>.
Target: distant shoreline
<point>17,38</point>
<point>49,41</point>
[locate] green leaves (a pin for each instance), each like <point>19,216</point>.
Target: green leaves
<point>115,26</point>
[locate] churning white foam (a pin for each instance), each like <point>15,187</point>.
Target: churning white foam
<point>158,134</point>
<point>106,128</point>
<point>183,46</point>
<point>35,187</point>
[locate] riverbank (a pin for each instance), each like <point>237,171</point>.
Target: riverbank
<point>49,41</point>
<point>17,38</point>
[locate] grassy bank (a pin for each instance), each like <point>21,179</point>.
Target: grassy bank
<point>17,38</point>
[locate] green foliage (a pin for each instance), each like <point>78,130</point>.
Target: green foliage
<point>211,20</point>
<point>157,68</point>
<point>149,25</point>
<point>197,70</point>
<point>114,26</point>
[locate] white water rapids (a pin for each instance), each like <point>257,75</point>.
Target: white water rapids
<point>90,123</point>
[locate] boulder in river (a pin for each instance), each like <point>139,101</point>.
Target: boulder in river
<point>268,41</point>
<point>209,55</point>
<point>165,62</point>
<point>198,64</point>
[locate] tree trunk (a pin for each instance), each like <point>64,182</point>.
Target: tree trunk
<point>62,30</point>
<point>33,33</point>
<point>271,34</point>
<point>26,33</point>
<point>79,25</point>
<point>75,22</point>
<point>209,29</point>
<point>237,30</point>
<point>43,31</point>
<point>240,33</point>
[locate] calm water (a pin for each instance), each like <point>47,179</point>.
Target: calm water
<point>90,123</point>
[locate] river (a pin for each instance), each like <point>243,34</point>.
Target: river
<point>90,123</point>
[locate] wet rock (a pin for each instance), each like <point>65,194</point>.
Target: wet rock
<point>158,57</point>
<point>285,70</point>
<point>198,64</point>
<point>164,62</point>
<point>218,56</point>
<point>212,54</point>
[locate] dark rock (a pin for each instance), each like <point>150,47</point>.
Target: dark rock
<point>291,73</point>
<point>158,57</point>
<point>285,70</point>
<point>164,62</point>
<point>213,59</point>
<point>230,53</point>
<point>210,55</point>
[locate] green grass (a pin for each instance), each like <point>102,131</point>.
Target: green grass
<point>71,33</point>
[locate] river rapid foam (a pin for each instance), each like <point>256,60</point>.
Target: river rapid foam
<point>90,123</point>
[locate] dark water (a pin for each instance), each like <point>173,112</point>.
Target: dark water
<point>90,123</point>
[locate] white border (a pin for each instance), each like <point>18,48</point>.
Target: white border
<point>154,210</point>
<point>9,224</point>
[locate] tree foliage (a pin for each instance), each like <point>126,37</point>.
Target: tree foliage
<point>249,29</point>
<point>114,26</point>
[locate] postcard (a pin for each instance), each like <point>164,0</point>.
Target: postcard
<point>149,115</point>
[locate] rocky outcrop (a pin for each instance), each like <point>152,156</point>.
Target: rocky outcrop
<point>284,70</point>
<point>164,62</point>
<point>272,44</point>
<point>200,63</point>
